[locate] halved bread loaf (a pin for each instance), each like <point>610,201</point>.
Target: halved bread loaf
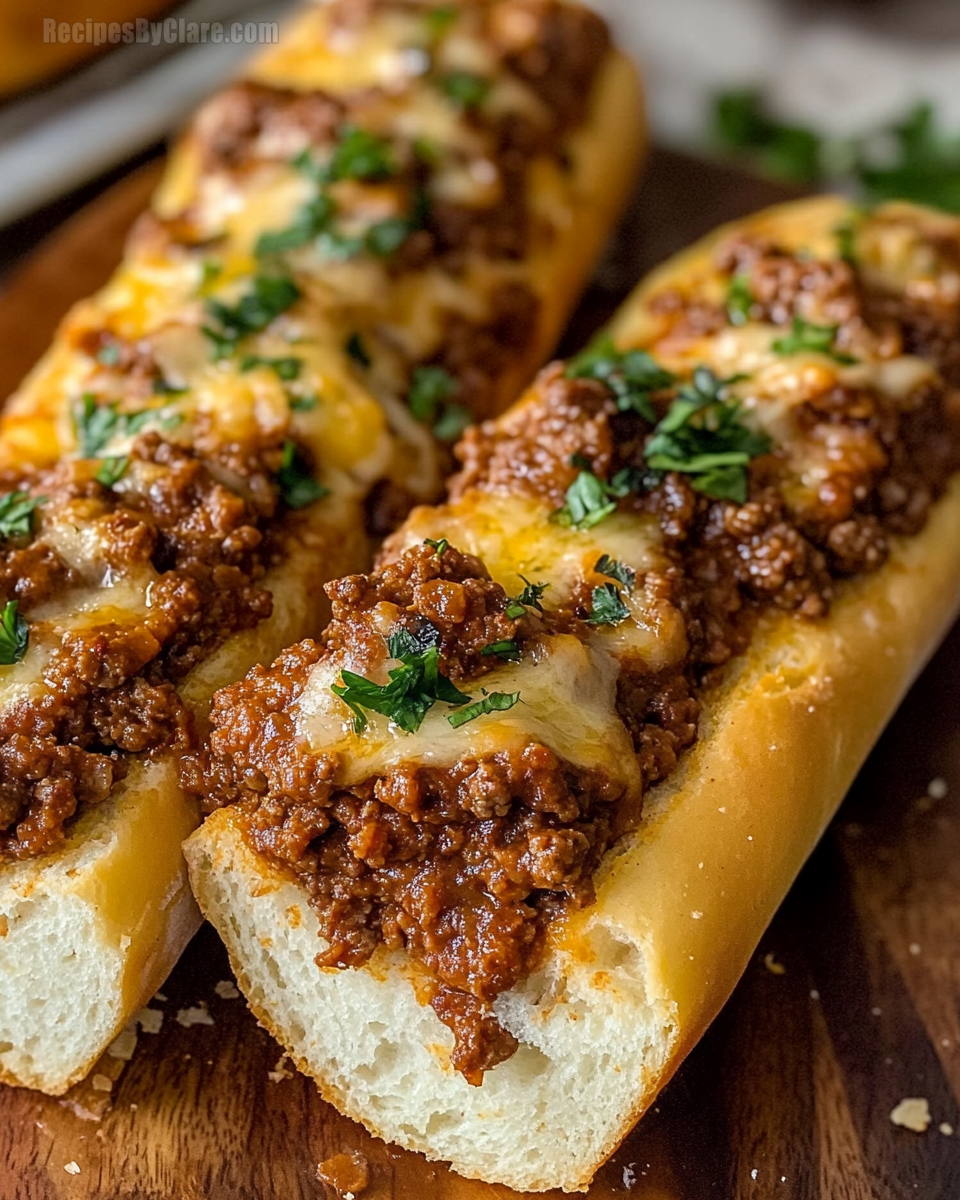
<point>627,984</point>
<point>210,438</point>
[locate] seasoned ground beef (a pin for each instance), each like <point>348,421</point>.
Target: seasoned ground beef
<point>109,688</point>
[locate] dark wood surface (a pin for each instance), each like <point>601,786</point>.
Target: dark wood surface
<point>788,1096</point>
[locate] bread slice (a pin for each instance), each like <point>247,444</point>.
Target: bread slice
<point>630,983</point>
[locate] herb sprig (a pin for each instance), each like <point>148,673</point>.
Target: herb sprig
<point>14,635</point>
<point>17,514</point>
<point>633,376</point>
<point>820,339</point>
<point>297,483</point>
<point>269,297</point>
<point>702,436</point>
<point>430,399</point>
<point>608,607</point>
<point>98,424</point>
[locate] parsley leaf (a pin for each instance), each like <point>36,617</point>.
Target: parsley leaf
<point>508,650</point>
<point>357,350</point>
<point>438,20</point>
<point>14,635</point>
<point>608,607</point>
<point>739,300</point>
<point>702,436</point>
<point>98,424</point>
<point>414,687</point>
<point>404,642</point>
<point>632,375</point>
<point>466,90</point>
<point>530,597</point>
<point>387,236</point>
<point>270,296</point>
<point>495,702</point>
<point>163,387</point>
<point>302,403</point>
<point>430,390</point>
<point>17,514</point>
<point>452,422</point>
<point>804,335</point>
<point>590,500</point>
<point>286,369</point>
<point>112,470</point>
<point>616,570</point>
<point>310,221</point>
<point>298,487</point>
<point>438,547</point>
<point>360,154</point>
<point>742,124</point>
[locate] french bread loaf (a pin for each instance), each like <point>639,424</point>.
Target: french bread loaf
<point>798,569</point>
<point>272,373</point>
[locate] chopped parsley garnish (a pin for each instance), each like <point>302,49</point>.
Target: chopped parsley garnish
<point>286,369</point>
<point>210,270</point>
<point>494,702</point>
<point>403,642</point>
<point>302,403</point>
<point>616,570</point>
<point>437,547</point>
<point>530,597</point>
<point>14,635</point>
<point>109,355</point>
<point>311,220</point>
<point>163,387</point>
<point>98,424</point>
<point>438,20</point>
<point>386,237</point>
<point>356,348</point>
<point>910,159</point>
<point>360,154</point>
<point>589,500</point>
<point>452,422</point>
<point>608,607</point>
<point>415,686</point>
<point>509,650</point>
<point>17,514</point>
<point>466,90</point>
<point>298,486</point>
<point>739,300</point>
<point>702,436</point>
<point>804,335</point>
<point>112,470</point>
<point>632,375</point>
<point>270,296</point>
<point>741,123</point>
<point>431,389</point>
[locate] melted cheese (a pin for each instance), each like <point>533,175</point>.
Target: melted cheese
<point>514,537</point>
<point>568,703</point>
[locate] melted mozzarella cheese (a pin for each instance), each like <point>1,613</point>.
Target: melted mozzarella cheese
<point>514,537</point>
<point>568,703</point>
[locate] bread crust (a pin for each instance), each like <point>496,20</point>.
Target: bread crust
<point>689,893</point>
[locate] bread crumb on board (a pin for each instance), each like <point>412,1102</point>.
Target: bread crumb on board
<point>197,1015</point>
<point>774,967</point>
<point>280,1071</point>
<point>226,989</point>
<point>946,1128</point>
<point>102,1083</point>
<point>913,1113</point>
<point>72,1168</point>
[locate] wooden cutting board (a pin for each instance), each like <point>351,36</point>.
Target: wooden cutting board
<point>851,1004</point>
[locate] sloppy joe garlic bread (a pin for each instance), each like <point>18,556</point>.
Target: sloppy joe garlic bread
<point>366,242</point>
<point>529,803</point>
